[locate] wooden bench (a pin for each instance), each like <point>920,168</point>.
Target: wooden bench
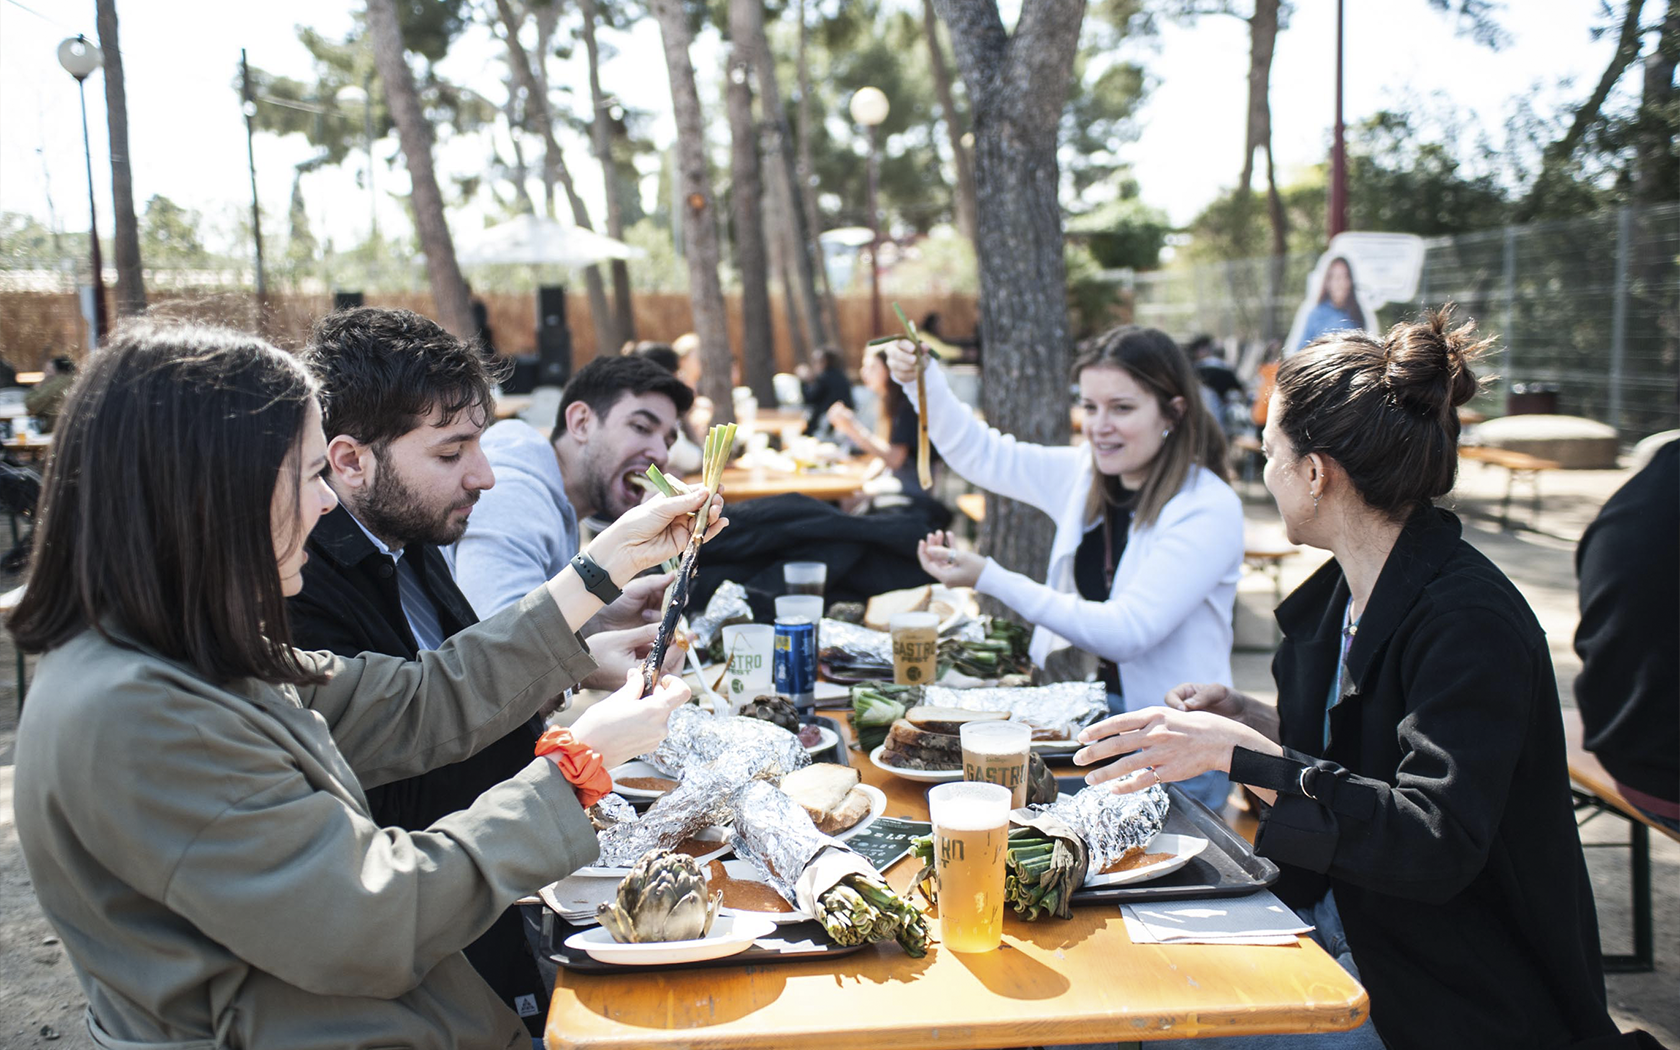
<point>1595,794</point>
<point>1516,464</point>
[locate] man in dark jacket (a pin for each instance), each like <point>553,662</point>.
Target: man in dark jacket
<point>403,406</point>
<point>1629,687</point>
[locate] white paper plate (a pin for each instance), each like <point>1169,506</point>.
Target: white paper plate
<point>877,806</point>
<point>747,871</point>
<point>716,833</point>
<point>925,776</point>
<point>730,935</point>
<point>1182,847</point>
<point>826,738</point>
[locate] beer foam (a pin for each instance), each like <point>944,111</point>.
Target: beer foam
<point>972,814</point>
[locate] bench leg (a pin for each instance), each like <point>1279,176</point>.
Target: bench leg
<point>1642,960</point>
<point>1505,506</point>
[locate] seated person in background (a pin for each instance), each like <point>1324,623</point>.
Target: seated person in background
<point>697,419</point>
<point>1149,538</point>
<point>1413,767</point>
<point>188,790</point>
<point>616,417</point>
<point>403,406</point>
<point>825,387</point>
<point>44,400</point>
<point>685,454</point>
<point>1629,687</point>
<point>1220,385</point>
<point>893,441</point>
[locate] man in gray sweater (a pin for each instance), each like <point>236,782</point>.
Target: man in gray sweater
<point>617,416</point>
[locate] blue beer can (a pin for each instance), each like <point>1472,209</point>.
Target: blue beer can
<point>795,663</point>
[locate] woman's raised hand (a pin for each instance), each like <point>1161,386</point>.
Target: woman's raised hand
<point>941,560</point>
<point>901,360</point>
<point>651,533</point>
<point>627,724</point>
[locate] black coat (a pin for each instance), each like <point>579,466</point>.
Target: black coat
<point>1440,813</point>
<point>350,605</point>
<point>1629,687</point>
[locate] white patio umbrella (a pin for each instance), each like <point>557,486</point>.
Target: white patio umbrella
<point>534,241</point>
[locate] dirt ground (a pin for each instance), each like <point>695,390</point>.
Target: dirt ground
<point>41,1004</point>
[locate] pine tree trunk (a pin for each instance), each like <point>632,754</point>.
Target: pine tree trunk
<point>449,289</point>
<point>699,212</point>
<point>607,340</point>
<point>806,197</point>
<point>783,165</point>
<point>782,244</point>
<point>1017,86</point>
<point>758,362</point>
<point>1655,172</point>
<point>965,206</point>
<point>601,135</point>
<point>131,285</point>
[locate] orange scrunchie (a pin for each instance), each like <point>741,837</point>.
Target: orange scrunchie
<point>579,764</point>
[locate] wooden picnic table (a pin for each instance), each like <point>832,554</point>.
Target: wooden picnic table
<point>841,482</point>
<point>1074,981</point>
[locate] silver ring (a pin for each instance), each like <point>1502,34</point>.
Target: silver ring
<point>950,557</point>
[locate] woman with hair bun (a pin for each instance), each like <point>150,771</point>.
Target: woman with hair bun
<point>1414,764</point>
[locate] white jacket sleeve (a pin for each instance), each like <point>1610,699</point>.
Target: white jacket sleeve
<point>1018,470</point>
<point>1198,547</point>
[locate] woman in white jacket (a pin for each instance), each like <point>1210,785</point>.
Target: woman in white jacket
<point>1149,537</point>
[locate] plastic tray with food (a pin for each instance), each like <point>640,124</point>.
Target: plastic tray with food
<point>1226,867</point>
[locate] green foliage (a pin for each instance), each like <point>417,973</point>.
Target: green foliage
<point>938,264</point>
<point>1093,302</point>
<point>170,236</point>
<point>1123,233</point>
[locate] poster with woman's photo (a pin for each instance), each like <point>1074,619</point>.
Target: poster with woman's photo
<point>1357,276</point>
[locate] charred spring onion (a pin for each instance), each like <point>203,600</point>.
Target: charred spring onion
<point>719,440</point>
<point>924,462</point>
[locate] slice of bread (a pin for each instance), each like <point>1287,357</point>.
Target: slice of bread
<point>853,808</point>
<point>931,719</point>
<point>903,734</point>
<point>920,758</point>
<point>881,608</point>
<point>821,788</point>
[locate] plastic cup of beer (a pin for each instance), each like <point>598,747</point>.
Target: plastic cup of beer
<point>996,753</point>
<point>915,647</point>
<point>970,833</point>
<point>805,577</point>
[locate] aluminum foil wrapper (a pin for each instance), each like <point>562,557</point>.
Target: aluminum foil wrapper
<point>702,798</point>
<point>696,738</point>
<point>855,641</point>
<point>612,809</point>
<point>728,605</point>
<point>775,833</point>
<point>1056,712</point>
<point>1111,824</point>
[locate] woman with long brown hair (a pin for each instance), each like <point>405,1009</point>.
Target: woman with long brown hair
<point>1149,537</point>
<point>1413,767</point>
<point>189,786</point>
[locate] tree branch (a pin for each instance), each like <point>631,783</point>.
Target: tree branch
<point>1039,56</point>
<point>979,42</point>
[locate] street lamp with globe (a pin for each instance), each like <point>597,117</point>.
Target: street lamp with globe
<point>869,107</point>
<point>80,58</point>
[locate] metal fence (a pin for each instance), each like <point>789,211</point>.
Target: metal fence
<point>1590,306</point>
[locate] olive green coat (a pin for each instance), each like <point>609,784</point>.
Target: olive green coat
<point>206,853</point>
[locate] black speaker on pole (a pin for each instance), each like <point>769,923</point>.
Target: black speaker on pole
<point>554,337</point>
<point>346,300</point>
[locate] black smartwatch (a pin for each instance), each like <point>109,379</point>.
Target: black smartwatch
<point>595,578</point>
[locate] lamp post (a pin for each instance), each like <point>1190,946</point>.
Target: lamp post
<point>869,107</point>
<point>1338,149</point>
<point>80,58</point>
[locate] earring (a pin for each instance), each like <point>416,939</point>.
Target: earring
<point>1165,434</point>
<point>1315,497</point>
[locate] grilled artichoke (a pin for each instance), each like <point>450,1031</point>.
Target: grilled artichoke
<point>664,898</point>
<point>775,709</point>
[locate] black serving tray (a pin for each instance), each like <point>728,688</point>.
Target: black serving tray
<point>790,941</point>
<point>835,752</point>
<point>1227,868</point>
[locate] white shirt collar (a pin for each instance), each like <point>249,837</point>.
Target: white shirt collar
<point>394,555</point>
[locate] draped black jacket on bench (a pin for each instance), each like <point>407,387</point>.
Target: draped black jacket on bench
<point>1440,812</point>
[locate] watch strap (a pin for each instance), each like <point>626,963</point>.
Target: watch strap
<point>595,578</point>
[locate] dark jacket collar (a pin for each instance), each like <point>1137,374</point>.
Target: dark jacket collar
<point>1315,609</point>
<point>340,539</point>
